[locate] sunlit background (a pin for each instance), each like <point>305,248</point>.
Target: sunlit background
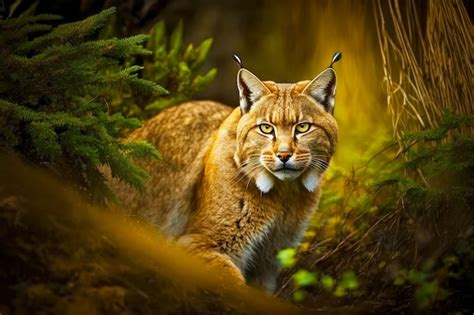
<point>289,41</point>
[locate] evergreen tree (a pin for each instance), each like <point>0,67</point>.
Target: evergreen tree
<point>52,105</point>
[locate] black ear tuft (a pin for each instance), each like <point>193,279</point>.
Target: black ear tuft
<point>238,60</point>
<point>337,56</point>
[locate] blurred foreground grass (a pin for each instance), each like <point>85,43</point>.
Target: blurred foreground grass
<point>61,255</point>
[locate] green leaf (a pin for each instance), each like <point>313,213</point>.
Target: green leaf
<point>399,280</point>
<point>158,36</point>
<point>327,282</point>
<point>202,52</point>
<point>184,70</point>
<point>426,293</point>
<point>176,39</point>
<point>189,53</point>
<point>286,257</point>
<point>298,296</point>
<point>200,82</point>
<point>340,290</point>
<point>28,12</point>
<point>349,280</point>
<point>303,278</point>
<point>13,7</point>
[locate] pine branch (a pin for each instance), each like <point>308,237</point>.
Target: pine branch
<point>71,32</point>
<point>52,103</point>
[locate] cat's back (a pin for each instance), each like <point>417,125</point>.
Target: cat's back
<point>180,132</point>
<point>182,136</point>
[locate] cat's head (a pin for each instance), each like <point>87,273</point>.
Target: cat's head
<point>286,132</point>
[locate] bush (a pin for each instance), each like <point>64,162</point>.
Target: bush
<point>171,64</point>
<point>398,229</point>
<point>52,105</point>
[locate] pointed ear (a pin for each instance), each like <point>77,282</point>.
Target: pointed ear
<point>323,89</point>
<point>251,89</point>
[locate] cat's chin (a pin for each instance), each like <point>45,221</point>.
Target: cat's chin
<point>266,180</point>
<point>287,175</point>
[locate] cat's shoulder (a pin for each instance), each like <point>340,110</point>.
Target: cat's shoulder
<point>195,109</point>
<point>191,119</point>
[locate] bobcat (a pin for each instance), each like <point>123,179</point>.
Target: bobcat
<point>236,185</point>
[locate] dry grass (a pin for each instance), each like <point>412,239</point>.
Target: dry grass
<point>427,61</point>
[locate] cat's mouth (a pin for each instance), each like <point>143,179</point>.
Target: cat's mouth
<point>287,173</point>
<point>287,168</point>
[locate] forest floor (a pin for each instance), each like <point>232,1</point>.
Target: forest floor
<point>61,255</point>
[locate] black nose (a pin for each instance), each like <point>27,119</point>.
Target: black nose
<point>284,156</point>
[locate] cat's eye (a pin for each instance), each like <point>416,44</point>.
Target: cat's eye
<point>266,128</point>
<point>303,127</point>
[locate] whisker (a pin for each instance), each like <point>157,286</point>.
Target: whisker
<point>318,168</point>
<point>248,172</point>
<point>248,183</point>
<point>242,174</point>
<point>322,161</point>
<point>251,158</point>
<point>318,165</point>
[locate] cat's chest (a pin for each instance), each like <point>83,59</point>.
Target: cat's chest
<point>251,221</point>
<point>263,221</point>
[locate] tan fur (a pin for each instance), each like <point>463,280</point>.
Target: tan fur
<point>203,192</point>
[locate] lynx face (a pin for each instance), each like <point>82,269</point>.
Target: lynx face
<point>287,131</point>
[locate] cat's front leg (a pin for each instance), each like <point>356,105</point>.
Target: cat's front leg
<point>264,275</point>
<point>198,245</point>
<point>267,280</point>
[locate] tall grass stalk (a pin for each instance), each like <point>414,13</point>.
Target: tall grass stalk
<point>427,52</point>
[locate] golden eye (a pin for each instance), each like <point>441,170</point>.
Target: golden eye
<point>303,127</point>
<point>266,128</point>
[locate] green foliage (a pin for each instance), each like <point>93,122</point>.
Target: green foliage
<point>287,257</point>
<point>172,65</point>
<point>438,161</point>
<point>431,281</point>
<point>298,295</point>
<point>348,282</point>
<point>437,172</point>
<point>52,106</point>
<point>374,219</point>
<point>304,278</point>
<point>427,286</point>
<point>448,123</point>
<point>327,282</point>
